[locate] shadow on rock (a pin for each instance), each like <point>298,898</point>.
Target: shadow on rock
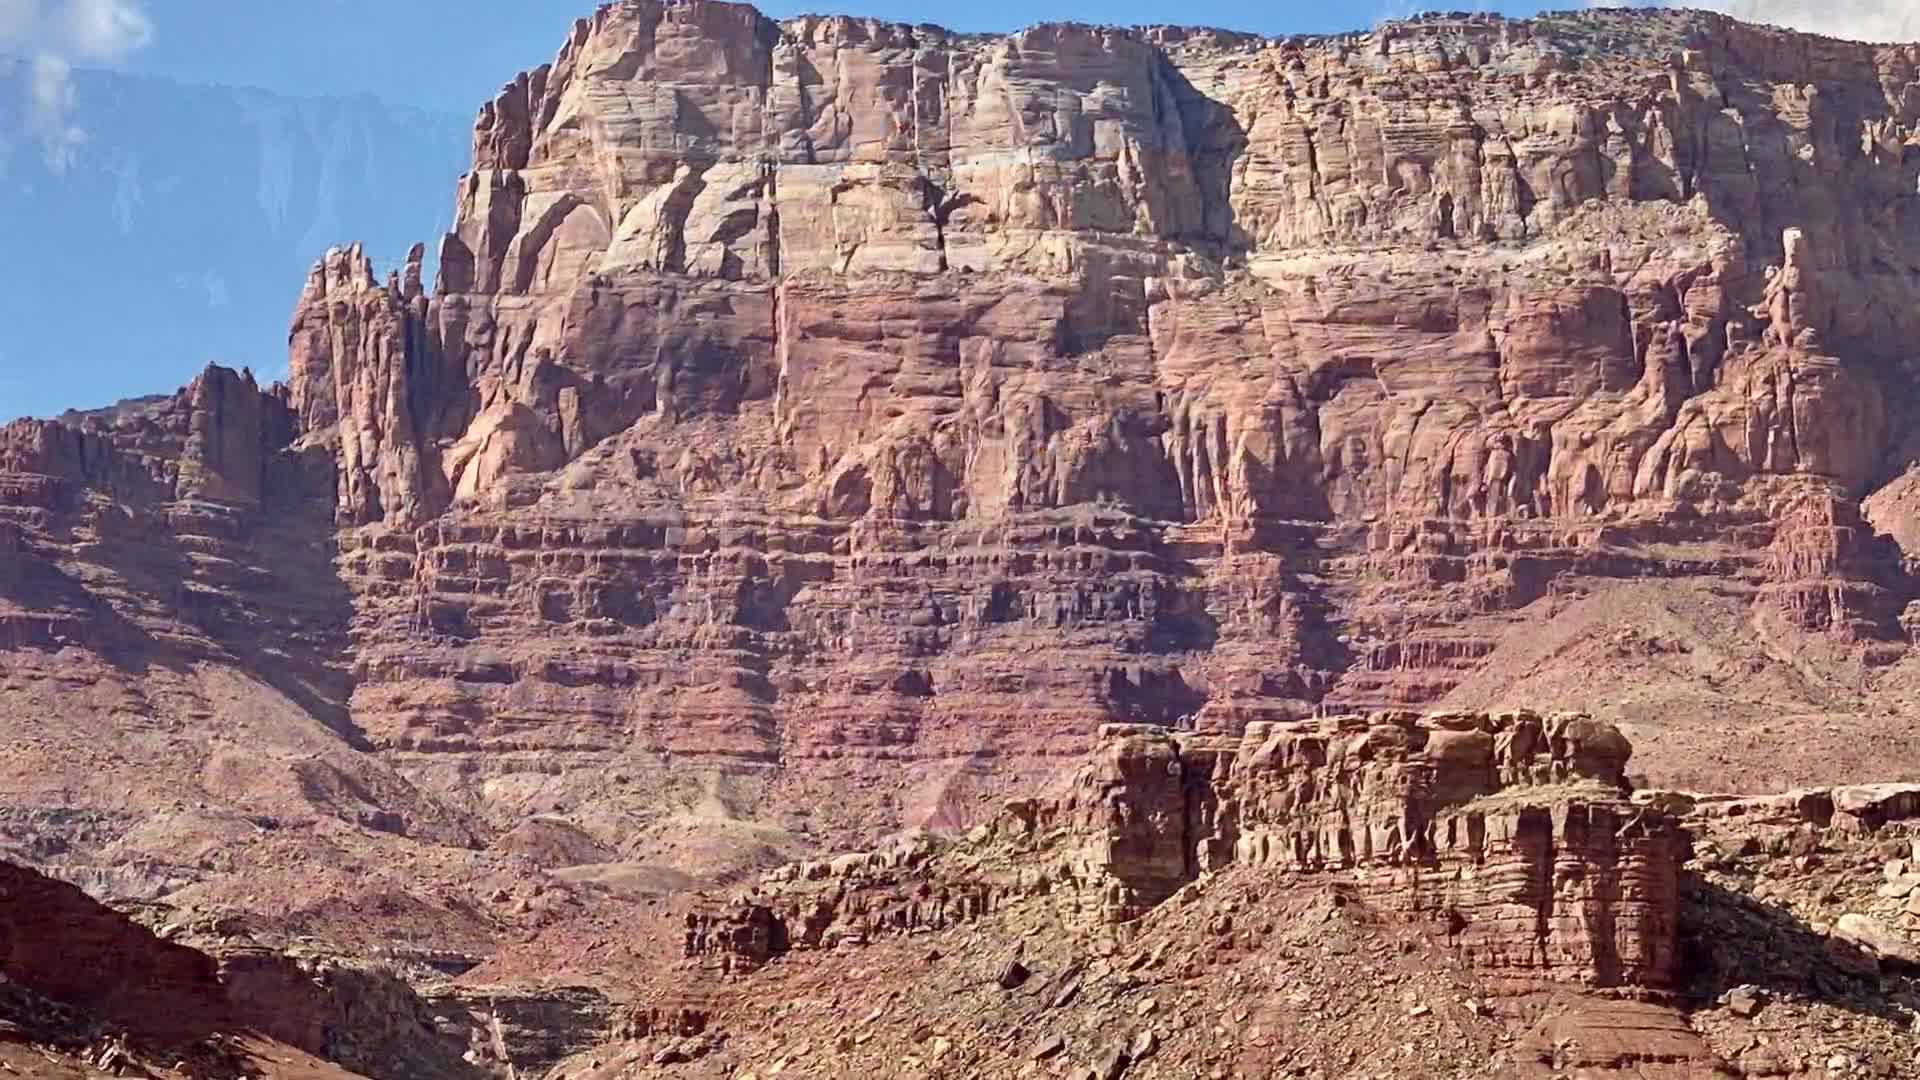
<point>1729,940</point>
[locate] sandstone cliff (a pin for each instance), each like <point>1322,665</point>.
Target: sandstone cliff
<point>1509,837</point>
<point>825,426</point>
<point>832,391</point>
<point>1457,894</point>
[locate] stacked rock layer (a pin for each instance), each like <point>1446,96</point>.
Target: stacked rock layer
<point>1509,836</point>
<point>855,417</point>
<point>829,391</point>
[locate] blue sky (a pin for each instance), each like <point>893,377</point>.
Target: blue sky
<point>450,54</point>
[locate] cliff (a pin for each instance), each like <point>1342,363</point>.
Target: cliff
<point>1509,838</point>
<point>1455,894</point>
<point>824,427</point>
<point>832,391</point>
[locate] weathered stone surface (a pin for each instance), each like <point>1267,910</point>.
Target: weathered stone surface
<point>1618,1038</point>
<point>59,943</point>
<point>1520,850</point>
<point>744,938</point>
<point>1877,939</point>
<point>1850,808</point>
<point>787,383</point>
<point>217,440</point>
<point>826,427</point>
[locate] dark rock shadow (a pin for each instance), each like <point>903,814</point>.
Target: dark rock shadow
<point>1214,139</point>
<point>63,613</point>
<point>75,973</point>
<point>171,585</point>
<point>1729,939</point>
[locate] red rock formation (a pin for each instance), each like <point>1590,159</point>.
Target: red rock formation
<point>856,416</point>
<point>824,427</point>
<point>57,942</point>
<point>1510,835</point>
<point>743,937</point>
<point>815,403</point>
<point>214,441</point>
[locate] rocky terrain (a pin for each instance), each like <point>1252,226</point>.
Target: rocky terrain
<point>821,432</point>
<point>1459,894</point>
<point>1455,894</point>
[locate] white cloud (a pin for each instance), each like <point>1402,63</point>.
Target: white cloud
<point>1857,20</point>
<point>53,34</point>
<point>105,29</point>
<point>49,105</point>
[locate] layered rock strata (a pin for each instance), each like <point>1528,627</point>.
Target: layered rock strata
<point>786,384</point>
<point>831,424</point>
<point>1510,836</point>
<point>179,523</point>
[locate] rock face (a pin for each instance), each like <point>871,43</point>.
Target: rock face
<point>823,427</point>
<point>58,943</point>
<point>173,506</point>
<point>788,384</point>
<point>1511,837</point>
<point>214,441</point>
<point>1642,951</point>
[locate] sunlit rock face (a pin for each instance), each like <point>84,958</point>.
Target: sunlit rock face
<point>859,416</point>
<point>832,391</point>
<point>1511,836</point>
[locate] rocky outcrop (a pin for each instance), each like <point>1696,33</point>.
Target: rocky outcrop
<point>743,937</point>
<point>367,1019</point>
<point>355,348</point>
<point>179,526</point>
<point>1660,928</point>
<point>1509,836</point>
<point>1168,187</point>
<point>216,441</point>
<point>523,1030</point>
<point>58,943</point>
<point>1856,809</point>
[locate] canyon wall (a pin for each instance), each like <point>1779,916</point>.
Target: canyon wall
<point>833,391</point>
<point>830,425</point>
